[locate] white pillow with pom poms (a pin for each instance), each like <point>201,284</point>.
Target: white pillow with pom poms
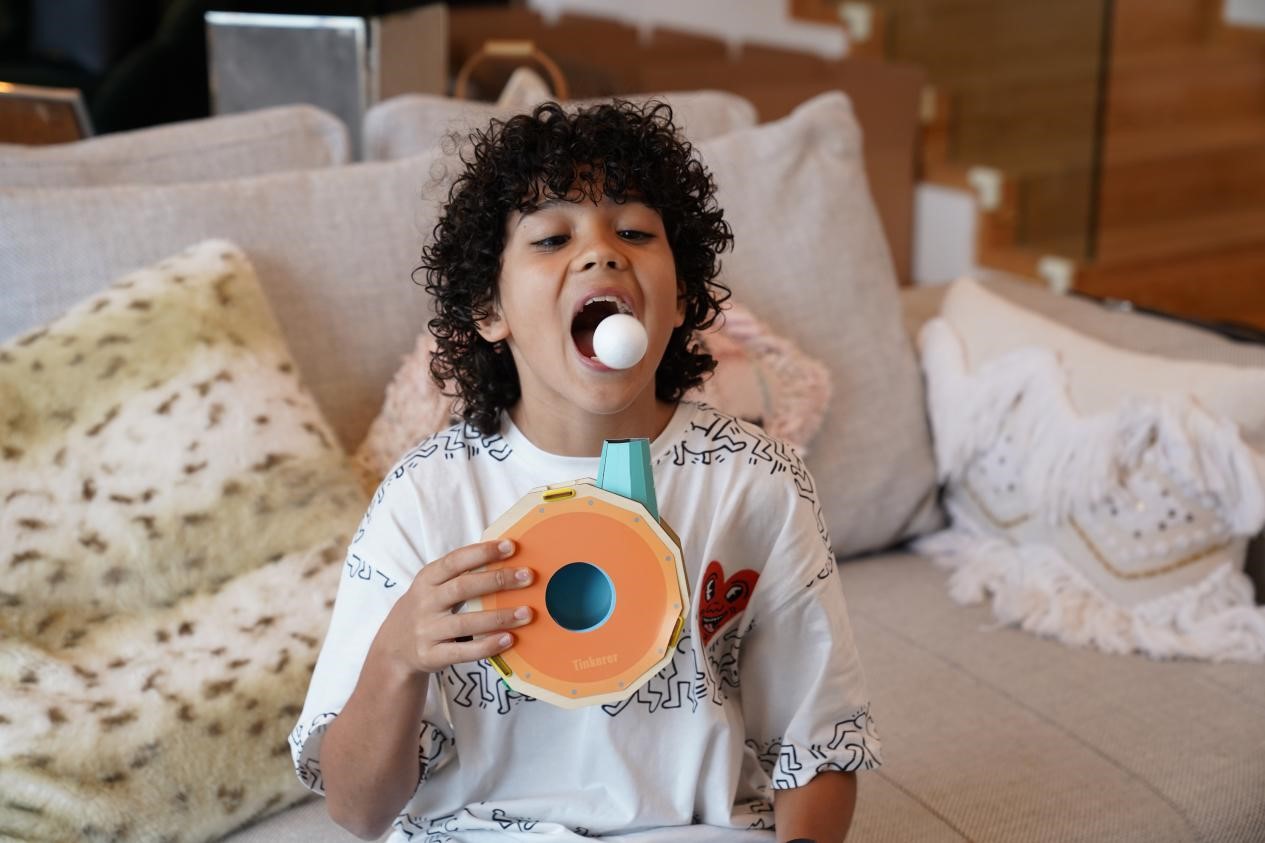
<point>1101,497</point>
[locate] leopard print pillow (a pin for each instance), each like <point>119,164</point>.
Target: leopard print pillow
<point>173,509</point>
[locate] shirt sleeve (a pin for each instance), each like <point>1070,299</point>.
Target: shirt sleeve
<point>805,704</point>
<point>382,559</point>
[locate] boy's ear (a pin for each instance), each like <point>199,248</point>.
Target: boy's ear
<point>493,328</point>
<point>680,304</point>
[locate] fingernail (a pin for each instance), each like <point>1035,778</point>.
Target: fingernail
<point>505,640</point>
<point>522,613</point>
<point>506,547</point>
<point>522,575</point>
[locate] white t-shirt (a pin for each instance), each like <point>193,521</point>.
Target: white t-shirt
<point>765,689</point>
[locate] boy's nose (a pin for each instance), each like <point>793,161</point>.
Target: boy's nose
<point>602,256</point>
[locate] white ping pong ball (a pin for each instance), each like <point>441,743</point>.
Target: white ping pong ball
<point>620,341</point>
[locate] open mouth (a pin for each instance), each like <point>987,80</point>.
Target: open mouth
<point>590,316</point>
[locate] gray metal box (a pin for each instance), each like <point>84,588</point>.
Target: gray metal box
<point>341,64</point>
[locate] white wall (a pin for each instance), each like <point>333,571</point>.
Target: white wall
<point>736,22</point>
<point>944,233</point>
<point>1245,12</point>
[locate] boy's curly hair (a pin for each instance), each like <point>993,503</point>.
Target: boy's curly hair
<point>619,150</point>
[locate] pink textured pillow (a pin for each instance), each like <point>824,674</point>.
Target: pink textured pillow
<point>760,377</point>
<point>764,378</point>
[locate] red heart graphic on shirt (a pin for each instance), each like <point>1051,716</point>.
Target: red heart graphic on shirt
<point>723,599</point>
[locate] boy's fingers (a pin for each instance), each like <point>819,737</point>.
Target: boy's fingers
<point>455,652</point>
<point>470,557</point>
<point>478,584</point>
<point>482,623</point>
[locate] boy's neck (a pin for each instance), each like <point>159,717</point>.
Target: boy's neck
<point>569,432</point>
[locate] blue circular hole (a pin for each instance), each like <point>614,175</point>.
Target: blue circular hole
<point>580,597</point>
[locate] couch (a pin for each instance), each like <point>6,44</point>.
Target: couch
<point>990,733</point>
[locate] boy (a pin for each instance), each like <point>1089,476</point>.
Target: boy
<point>761,718</point>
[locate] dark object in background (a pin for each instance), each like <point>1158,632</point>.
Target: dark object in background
<point>13,25</point>
<point>160,76</point>
<point>137,62</point>
<point>1254,567</point>
<point>92,34</point>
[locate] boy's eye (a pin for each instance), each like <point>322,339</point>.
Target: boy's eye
<point>635,235</point>
<point>551,242</point>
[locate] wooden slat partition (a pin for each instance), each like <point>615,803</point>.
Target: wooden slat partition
<point>1182,196</point>
<point>1227,285</point>
<point>1021,79</point>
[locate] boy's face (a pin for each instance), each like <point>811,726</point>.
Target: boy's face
<point>556,259</point>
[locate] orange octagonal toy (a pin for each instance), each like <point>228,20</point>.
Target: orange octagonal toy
<point>610,595</point>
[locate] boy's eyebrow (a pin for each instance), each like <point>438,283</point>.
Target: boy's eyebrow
<point>533,207</point>
<point>528,208</point>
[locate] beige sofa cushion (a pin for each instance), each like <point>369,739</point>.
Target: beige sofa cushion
<point>415,123</point>
<point>810,259</point>
<point>1099,372</point>
<point>1134,331</point>
<point>994,736</point>
<point>293,137</point>
<point>333,248</point>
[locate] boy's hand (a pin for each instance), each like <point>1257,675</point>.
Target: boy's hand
<point>425,631</point>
